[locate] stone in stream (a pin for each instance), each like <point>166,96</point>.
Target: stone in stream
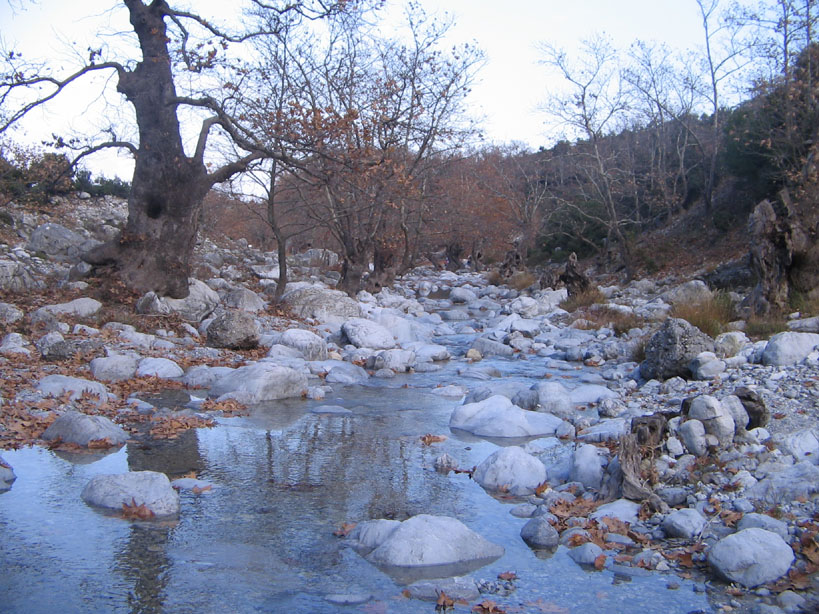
<point>58,385</point>
<point>148,488</point>
<point>260,382</point>
<point>539,533</point>
<point>427,541</point>
<point>751,557</point>
<point>498,417</point>
<point>511,470</point>
<point>74,427</point>
<point>7,476</point>
<point>587,467</point>
<point>308,343</point>
<point>367,334</point>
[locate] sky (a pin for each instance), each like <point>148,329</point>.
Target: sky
<point>509,90</point>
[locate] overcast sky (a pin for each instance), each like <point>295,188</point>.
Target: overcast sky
<point>509,89</point>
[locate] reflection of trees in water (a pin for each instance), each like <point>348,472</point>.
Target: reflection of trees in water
<point>143,563</point>
<point>172,457</point>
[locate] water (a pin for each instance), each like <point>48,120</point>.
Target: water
<point>262,540</point>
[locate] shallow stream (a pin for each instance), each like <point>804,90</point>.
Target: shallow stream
<point>262,540</point>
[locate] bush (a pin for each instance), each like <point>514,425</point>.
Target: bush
<point>584,299</point>
<point>29,175</point>
<point>763,328</point>
<point>101,186</point>
<point>521,280</point>
<point>710,316</point>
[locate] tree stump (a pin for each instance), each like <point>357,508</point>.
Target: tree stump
<point>575,280</point>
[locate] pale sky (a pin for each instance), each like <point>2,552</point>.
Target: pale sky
<point>509,88</point>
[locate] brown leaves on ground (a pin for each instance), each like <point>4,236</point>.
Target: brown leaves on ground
<point>100,444</point>
<point>488,607</point>
<point>600,562</point>
<point>197,490</point>
<point>430,439</point>
<point>444,602</point>
<point>228,407</point>
<point>132,511</point>
<point>170,428</point>
<point>508,575</point>
<point>344,529</point>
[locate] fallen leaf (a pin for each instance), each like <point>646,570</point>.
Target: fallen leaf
<point>344,529</point>
<point>133,511</point>
<point>600,562</point>
<point>430,439</point>
<point>488,607</point>
<point>444,602</point>
<point>542,488</point>
<point>198,491</point>
<point>96,444</point>
<point>507,575</point>
<point>779,415</point>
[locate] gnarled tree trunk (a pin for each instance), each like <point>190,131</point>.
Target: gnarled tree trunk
<point>153,251</point>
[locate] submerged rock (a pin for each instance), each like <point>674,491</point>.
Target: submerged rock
<point>511,470</point>
<point>425,540</point>
<point>74,427</point>
<point>498,417</point>
<point>148,488</point>
<point>260,382</point>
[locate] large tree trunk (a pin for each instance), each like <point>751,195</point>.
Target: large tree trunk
<point>154,250</point>
<point>384,268</point>
<point>356,264</point>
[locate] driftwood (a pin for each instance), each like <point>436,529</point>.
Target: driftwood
<point>575,280</point>
<point>647,433</point>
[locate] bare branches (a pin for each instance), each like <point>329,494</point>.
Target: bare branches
<point>17,79</point>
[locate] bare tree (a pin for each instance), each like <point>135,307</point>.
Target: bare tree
<point>153,251</point>
<point>596,104</point>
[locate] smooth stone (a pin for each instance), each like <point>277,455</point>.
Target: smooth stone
<point>75,427</point>
<point>147,488</point>
<point>751,557</point>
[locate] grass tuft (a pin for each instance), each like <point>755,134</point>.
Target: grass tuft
<point>584,299</point>
<point>710,316</point>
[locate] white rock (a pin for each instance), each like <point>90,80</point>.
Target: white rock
<point>591,393</point>
<point>308,343</point>
<point>751,557</point>
<point>58,385</point>
<point>587,466</point>
<point>370,534</point>
<point>425,540</point>
<point>511,470</point>
<point>687,523</point>
<point>803,446</point>
<point>693,436</point>
<point>74,427</point>
<point>163,368</point>
<point>498,417</point>
<point>789,348</point>
<point>80,307</point>
<point>147,488</point>
<point>113,368</point>
<point>260,382</point>
<point>714,417</point>
<point>367,334</point>
<point>621,509</point>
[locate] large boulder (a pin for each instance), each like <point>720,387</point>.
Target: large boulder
<point>539,533</point>
<point>496,416</point>
<point>587,466</point>
<point>79,307</point>
<point>148,488</point>
<point>789,348</point>
<point>17,278</point>
<point>58,385</point>
<point>163,368</point>
<point>425,541</point>
<point>688,293</point>
<point>322,304</point>
<point>686,523</point>
<point>199,304</point>
<point>260,382</point>
<point>672,348</point>
<point>245,300</point>
<point>751,557</point>
<point>308,343</point>
<point>511,470</point>
<point>58,242</point>
<point>74,427</point>
<point>368,334</point>
<point>794,482</point>
<point>113,368</point>
<point>490,347</point>
<point>717,420</point>
<point>234,330</point>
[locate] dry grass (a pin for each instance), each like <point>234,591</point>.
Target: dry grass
<point>493,277</point>
<point>758,328</point>
<point>584,299</point>
<point>521,280</point>
<point>710,316</point>
<point>620,322</point>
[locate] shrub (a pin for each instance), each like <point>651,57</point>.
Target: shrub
<point>762,328</point>
<point>493,277</point>
<point>710,316</point>
<point>521,280</point>
<point>584,299</point>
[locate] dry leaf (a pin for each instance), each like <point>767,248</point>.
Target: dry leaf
<point>96,444</point>
<point>488,607</point>
<point>444,602</point>
<point>542,488</point>
<point>198,491</point>
<point>430,439</point>
<point>508,575</point>
<point>600,562</point>
<point>133,511</point>
<point>344,529</point>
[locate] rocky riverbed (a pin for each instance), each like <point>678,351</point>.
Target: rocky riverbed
<point>653,450</point>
